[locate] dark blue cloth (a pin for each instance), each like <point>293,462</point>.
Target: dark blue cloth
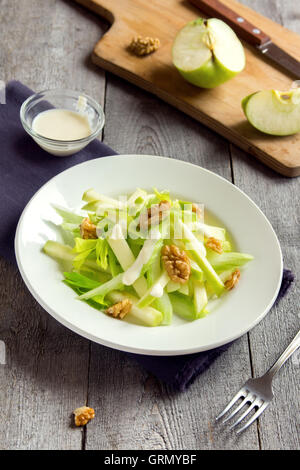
<point>25,167</point>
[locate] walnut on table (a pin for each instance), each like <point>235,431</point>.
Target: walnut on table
<point>234,279</point>
<point>154,215</point>
<point>144,46</point>
<point>88,229</point>
<point>176,263</point>
<point>214,244</point>
<point>120,309</point>
<point>83,415</point>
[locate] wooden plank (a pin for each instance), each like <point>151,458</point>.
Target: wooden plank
<point>277,197</point>
<point>219,108</point>
<point>45,375</point>
<point>135,410</point>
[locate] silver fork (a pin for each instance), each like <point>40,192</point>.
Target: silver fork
<point>257,393</point>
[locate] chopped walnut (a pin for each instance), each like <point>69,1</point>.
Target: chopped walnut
<point>176,263</point>
<point>214,244</point>
<point>234,279</point>
<point>144,46</point>
<point>120,309</point>
<point>197,210</point>
<point>154,215</point>
<point>83,415</point>
<point>88,229</point>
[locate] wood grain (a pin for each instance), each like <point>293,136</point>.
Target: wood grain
<point>219,108</point>
<point>45,377</point>
<point>276,196</point>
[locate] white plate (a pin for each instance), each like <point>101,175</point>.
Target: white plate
<point>239,310</point>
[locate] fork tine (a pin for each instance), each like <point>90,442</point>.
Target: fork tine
<point>247,398</point>
<point>254,417</point>
<point>246,412</point>
<point>239,394</point>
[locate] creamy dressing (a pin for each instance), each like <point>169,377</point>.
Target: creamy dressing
<point>61,124</point>
<point>134,272</point>
<point>158,288</point>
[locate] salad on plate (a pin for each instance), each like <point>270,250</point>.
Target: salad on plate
<point>145,257</point>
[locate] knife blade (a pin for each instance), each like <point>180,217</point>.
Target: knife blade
<point>251,34</point>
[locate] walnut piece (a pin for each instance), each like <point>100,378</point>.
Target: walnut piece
<point>88,229</point>
<point>234,279</point>
<point>197,210</point>
<point>154,215</point>
<point>120,309</point>
<point>83,415</point>
<point>214,244</point>
<point>144,46</point>
<point>176,263</point>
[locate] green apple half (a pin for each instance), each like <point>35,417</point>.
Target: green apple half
<point>207,53</point>
<point>274,112</point>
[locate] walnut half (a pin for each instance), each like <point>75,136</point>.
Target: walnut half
<point>176,263</point>
<point>88,229</point>
<point>120,309</point>
<point>233,280</point>
<point>154,215</point>
<point>83,415</point>
<point>214,244</point>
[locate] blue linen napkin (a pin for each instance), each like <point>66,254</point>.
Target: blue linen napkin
<point>25,167</point>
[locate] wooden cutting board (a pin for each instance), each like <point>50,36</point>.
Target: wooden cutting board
<point>218,108</point>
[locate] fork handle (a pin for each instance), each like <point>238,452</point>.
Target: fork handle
<point>292,347</point>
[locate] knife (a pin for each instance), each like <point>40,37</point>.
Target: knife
<point>251,34</point>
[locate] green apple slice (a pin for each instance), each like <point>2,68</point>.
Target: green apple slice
<point>207,53</point>
<point>274,112</point>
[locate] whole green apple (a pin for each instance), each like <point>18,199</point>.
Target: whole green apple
<point>207,53</point>
<point>274,112</point>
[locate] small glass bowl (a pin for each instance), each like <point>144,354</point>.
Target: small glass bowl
<point>62,99</point>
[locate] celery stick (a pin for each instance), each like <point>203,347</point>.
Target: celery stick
<point>184,289</point>
<point>164,305</point>
<point>104,289</point>
<point>67,215</point>
<point>91,196</point>
<point>126,258</point>
<point>155,291</point>
<point>62,252</point>
<point>195,249</point>
<point>200,298</point>
<point>196,271</point>
<point>147,315</point>
<point>172,286</point>
<point>183,306</point>
<point>208,230</point>
<point>228,260</point>
<point>134,271</point>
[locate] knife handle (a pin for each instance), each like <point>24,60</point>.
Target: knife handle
<point>240,25</point>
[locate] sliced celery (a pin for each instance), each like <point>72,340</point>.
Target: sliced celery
<point>164,305</point>
<point>147,315</point>
<point>114,284</point>
<point>183,306</point>
<point>126,258</point>
<point>228,260</point>
<point>200,298</point>
<point>195,249</point>
<point>62,252</point>
<point>155,291</point>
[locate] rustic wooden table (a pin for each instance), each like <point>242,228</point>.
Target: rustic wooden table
<point>49,370</point>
